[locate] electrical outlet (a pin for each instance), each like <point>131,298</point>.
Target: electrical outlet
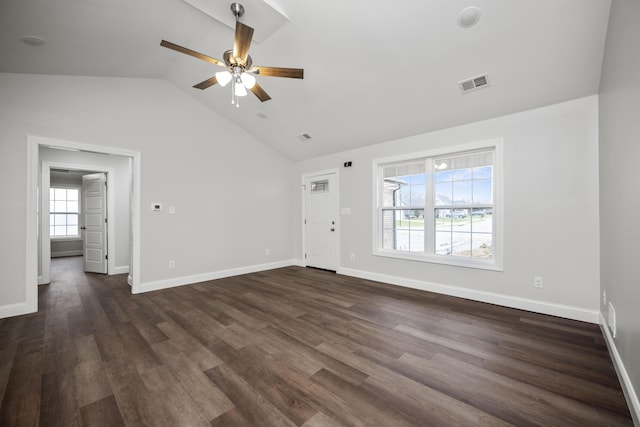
<point>537,282</point>
<point>267,252</point>
<point>353,256</point>
<point>604,298</point>
<point>172,264</point>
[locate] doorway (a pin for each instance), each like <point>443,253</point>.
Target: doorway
<point>35,209</point>
<point>321,243</point>
<point>75,212</point>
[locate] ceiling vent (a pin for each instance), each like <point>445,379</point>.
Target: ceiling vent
<point>304,137</point>
<point>473,83</point>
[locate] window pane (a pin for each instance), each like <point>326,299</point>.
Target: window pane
<point>483,191</point>
<point>59,206</point>
<point>388,239</point>
<point>416,197</point>
<point>443,176</point>
<point>72,194</point>
<point>60,194</point>
<point>461,244</point>
<point>444,193</point>
<point>72,230</point>
<point>402,240</point>
<point>52,206</point>
<point>60,219</point>
<point>389,192</point>
<point>60,230</point>
<point>416,240</point>
<point>443,219</point>
<point>462,193</point>
<point>482,245</point>
<point>72,219</point>
<point>443,243</point>
<point>462,174</point>
<point>320,186</point>
<point>72,206</point>
<point>485,172</point>
<point>52,192</point>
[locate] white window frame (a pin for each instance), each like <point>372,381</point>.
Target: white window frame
<point>428,256</point>
<point>79,235</point>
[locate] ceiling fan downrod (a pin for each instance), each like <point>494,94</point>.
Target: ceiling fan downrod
<point>238,10</point>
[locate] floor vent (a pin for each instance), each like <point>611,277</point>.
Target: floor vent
<point>473,83</point>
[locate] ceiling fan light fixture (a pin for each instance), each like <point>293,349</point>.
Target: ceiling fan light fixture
<point>248,80</point>
<point>223,78</point>
<point>240,89</point>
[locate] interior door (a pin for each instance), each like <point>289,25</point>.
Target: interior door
<point>94,228</point>
<point>320,222</point>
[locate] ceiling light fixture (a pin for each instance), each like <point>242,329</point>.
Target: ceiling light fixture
<point>469,17</point>
<point>33,40</point>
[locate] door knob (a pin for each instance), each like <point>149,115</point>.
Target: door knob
<point>83,228</point>
<point>333,229</point>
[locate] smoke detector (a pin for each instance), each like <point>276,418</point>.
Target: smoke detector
<point>474,83</point>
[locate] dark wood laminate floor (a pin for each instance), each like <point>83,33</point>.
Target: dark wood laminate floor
<point>295,346</point>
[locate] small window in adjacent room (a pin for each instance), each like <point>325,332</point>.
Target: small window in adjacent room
<point>64,210</point>
<point>441,207</point>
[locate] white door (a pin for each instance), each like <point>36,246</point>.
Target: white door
<point>94,229</point>
<point>320,222</point>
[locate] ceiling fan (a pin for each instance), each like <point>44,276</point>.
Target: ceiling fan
<point>240,70</point>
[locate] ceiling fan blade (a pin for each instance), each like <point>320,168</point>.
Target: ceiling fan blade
<point>190,52</point>
<point>294,73</point>
<point>260,93</point>
<point>207,83</point>
<point>242,42</point>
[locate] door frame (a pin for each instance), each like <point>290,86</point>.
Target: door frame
<point>33,206</point>
<point>45,250</point>
<point>306,176</point>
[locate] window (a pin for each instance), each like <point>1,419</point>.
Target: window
<point>440,207</point>
<point>63,212</point>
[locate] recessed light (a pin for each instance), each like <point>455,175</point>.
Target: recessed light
<point>33,40</point>
<point>469,17</point>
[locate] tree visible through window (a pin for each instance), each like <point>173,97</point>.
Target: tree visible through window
<point>439,207</point>
<point>64,210</point>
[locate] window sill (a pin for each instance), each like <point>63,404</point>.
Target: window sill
<point>65,238</point>
<point>442,259</point>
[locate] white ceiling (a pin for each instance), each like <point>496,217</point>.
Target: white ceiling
<point>374,70</point>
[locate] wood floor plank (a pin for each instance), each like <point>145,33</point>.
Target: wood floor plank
<point>295,347</point>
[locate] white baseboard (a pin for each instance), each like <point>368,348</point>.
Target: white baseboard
<point>17,309</point>
<point>120,269</point>
<point>59,254</point>
<point>569,312</point>
<point>623,376</point>
<point>298,263</point>
<point>197,278</point>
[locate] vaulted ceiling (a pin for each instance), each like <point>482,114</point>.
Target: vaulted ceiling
<point>374,70</point>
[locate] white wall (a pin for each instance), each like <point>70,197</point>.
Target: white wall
<point>122,172</point>
<point>230,190</point>
<point>620,185</point>
<point>550,211</point>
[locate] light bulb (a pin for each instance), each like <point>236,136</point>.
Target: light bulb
<point>248,80</point>
<point>223,77</point>
<point>240,89</point>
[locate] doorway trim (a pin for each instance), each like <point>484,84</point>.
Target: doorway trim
<point>45,250</point>
<point>33,210</point>
<point>306,176</point>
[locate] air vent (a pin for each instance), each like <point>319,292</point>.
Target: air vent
<point>473,83</point>
<point>304,137</point>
